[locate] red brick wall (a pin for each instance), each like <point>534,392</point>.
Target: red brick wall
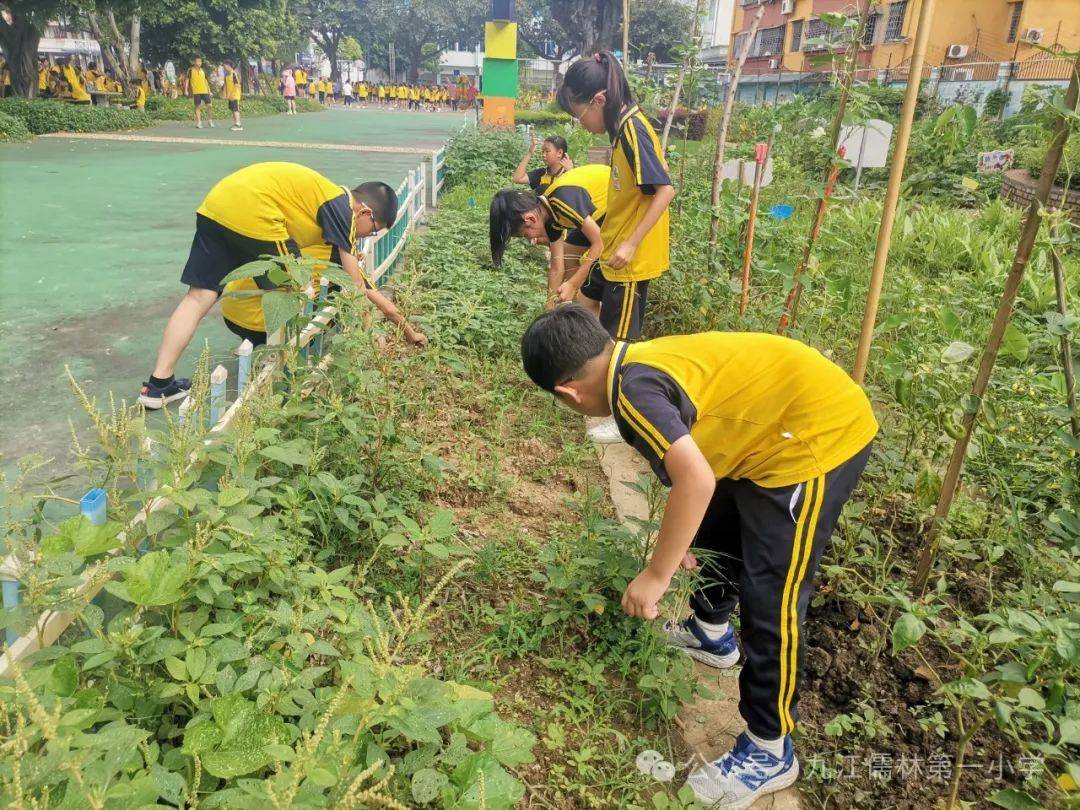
<point>1019,190</point>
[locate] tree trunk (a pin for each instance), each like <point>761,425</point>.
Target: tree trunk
<point>122,49</point>
<point>330,48</point>
<point>20,40</point>
<point>108,53</point>
<point>134,41</point>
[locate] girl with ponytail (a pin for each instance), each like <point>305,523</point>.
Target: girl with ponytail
<point>636,229</point>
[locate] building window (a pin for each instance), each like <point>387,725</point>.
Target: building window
<point>769,41</point>
<point>740,43</point>
<point>894,28</point>
<point>1014,21</point>
<point>871,30</point>
<point>796,35</point>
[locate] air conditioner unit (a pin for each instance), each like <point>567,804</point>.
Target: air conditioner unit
<point>958,51</point>
<point>787,6</point>
<point>1033,35</point>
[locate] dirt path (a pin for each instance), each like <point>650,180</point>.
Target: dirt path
<point>708,727</point>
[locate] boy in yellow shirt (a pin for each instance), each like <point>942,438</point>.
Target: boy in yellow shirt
<point>267,208</point>
<point>200,93</point>
<point>762,441</point>
<point>232,94</point>
<point>76,91</point>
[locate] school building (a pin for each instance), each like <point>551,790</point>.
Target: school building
<point>974,46</point>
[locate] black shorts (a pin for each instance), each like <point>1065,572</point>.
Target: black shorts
<point>216,251</point>
<point>202,98</point>
<point>234,105</point>
<point>322,96</point>
<point>622,303</point>
<point>256,338</point>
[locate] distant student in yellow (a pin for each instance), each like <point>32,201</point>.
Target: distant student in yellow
<point>301,80</point>
<point>762,441</point>
<point>266,208</point>
<point>200,93</point>
<point>5,78</point>
<point>138,92</point>
<point>636,249</point>
<point>232,91</point>
<point>44,91</point>
<point>382,93</point>
<point>75,89</point>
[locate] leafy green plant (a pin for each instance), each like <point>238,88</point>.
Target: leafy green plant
<point>41,116</point>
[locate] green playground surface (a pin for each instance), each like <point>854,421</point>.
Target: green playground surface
<point>94,236</point>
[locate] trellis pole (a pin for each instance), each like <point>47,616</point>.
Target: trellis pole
<point>1032,222</point>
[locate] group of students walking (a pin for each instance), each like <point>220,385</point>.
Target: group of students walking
<point>296,83</point>
<point>760,438</point>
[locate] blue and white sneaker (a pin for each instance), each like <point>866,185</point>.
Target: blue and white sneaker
<point>688,636</point>
<point>153,397</point>
<point>743,775</point>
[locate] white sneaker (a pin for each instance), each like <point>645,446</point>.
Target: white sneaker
<point>743,775</point>
<point>198,125</point>
<point>687,635</point>
<point>606,432</point>
<point>237,128</point>
<point>211,125</point>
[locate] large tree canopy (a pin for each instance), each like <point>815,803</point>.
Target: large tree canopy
<point>217,29</point>
<point>21,36</point>
<point>330,22</point>
<point>658,26</point>
<point>420,30</point>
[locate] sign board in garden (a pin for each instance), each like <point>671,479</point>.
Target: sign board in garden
<point>996,161</point>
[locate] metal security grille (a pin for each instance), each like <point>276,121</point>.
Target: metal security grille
<point>796,35</point>
<point>871,30</point>
<point>769,41</point>
<point>894,29</point>
<point>1014,21</point>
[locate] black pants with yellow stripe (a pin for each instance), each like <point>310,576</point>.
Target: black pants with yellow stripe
<point>622,303</point>
<point>760,549</point>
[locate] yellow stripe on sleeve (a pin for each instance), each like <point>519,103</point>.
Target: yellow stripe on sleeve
<point>566,211</point>
<point>654,437</point>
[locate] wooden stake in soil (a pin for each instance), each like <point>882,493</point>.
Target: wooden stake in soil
<point>1032,222</point>
<point>721,134</point>
<point>791,303</point>
<point>1066,342</point>
<point>892,191</point>
<point>761,157</point>
<point>686,67</point>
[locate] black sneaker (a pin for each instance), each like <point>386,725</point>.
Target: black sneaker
<point>154,397</point>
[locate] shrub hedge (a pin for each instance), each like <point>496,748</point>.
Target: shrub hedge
<point>12,128</point>
<point>542,118</point>
<point>41,116</point>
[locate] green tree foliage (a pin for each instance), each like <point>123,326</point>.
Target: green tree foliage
<point>658,26</point>
<point>419,30</point>
<point>217,29</point>
<point>20,32</point>
<point>331,22</point>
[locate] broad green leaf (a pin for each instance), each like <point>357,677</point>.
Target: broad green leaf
<point>176,668</point>
<point>281,307</point>
<point>294,453</point>
<point>427,784</point>
<point>1015,343</point>
<point>957,352</point>
<point>259,267</point>
<point>82,537</point>
<point>906,632</point>
<point>154,580</point>
<point>1013,799</point>
<point>237,741</point>
<point>64,677</point>
<point>231,496</point>
<point>500,790</point>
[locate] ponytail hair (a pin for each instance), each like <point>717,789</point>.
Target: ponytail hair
<point>508,209</point>
<point>589,76</point>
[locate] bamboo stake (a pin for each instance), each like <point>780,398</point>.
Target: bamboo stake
<point>762,153</point>
<point>721,134</point>
<point>687,66</point>
<point>892,192</point>
<point>791,303</point>
<point>626,33</point>
<point>1066,342</point>
<point>1032,222</point>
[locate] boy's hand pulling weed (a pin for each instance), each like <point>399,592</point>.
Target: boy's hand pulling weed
<point>643,594</point>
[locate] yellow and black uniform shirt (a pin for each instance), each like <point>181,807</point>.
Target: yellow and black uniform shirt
<point>232,86</point>
<point>637,168</point>
<point>760,407</point>
<point>197,80</point>
<point>540,179</point>
<point>574,196</point>
<point>140,97</point>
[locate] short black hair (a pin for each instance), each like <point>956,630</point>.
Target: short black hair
<point>381,199</point>
<point>559,343</point>
<point>507,215</point>
<point>559,142</point>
